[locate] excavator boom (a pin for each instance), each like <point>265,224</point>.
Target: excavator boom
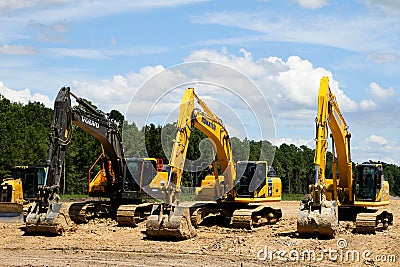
<point>222,195</point>
<point>347,194</point>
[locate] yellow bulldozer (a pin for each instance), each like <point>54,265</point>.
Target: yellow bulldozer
<point>19,191</point>
<point>11,201</point>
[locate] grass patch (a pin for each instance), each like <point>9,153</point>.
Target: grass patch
<point>286,197</point>
<point>77,196</point>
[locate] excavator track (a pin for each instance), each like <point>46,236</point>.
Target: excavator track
<point>256,217</point>
<point>322,221</point>
<point>131,215</point>
<point>54,221</point>
<point>172,222</point>
<point>369,222</point>
<point>82,212</point>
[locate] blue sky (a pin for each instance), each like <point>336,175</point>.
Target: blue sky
<point>105,50</point>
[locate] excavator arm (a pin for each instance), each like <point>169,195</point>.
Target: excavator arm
<point>208,123</point>
<point>48,215</point>
<point>59,139</point>
<point>172,219</point>
<point>319,214</point>
<point>91,121</point>
<point>330,117</point>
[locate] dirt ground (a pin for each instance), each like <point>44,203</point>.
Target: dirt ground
<point>103,243</point>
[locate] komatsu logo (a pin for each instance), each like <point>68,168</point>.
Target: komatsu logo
<point>208,123</point>
<point>90,122</point>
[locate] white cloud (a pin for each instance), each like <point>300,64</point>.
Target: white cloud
<point>13,5</point>
<point>351,32</point>
<point>375,147</point>
<point>294,82</point>
<point>312,4</point>
<point>291,87</point>
<point>24,96</point>
<point>51,32</point>
<point>75,9</point>
<point>49,13</point>
<point>297,142</point>
<point>391,7</point>
<point>78,53</point>
<point>105,53</point>
<point>17,50</point>
<point>118,90</point>
<point>379,57</point>
<point>380,92</point>
<point>367,104</point>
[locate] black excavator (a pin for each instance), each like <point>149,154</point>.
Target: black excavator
<point>116,180</point>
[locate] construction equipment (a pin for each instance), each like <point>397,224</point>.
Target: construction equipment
<point>11,201</point>
<point>239,194</point>
<point>359,197</point>
<point>18,192</point>
<point>114,181</point>
<point>32,177</point>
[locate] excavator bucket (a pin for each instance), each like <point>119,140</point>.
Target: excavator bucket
<point>52,220</point>
<point>322,221</point>
<point>170,222</point>
<point>11,212</point>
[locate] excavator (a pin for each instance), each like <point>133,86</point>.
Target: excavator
<point>117,179</point>
<point>358,195</point>
<point>19,191</point>
<point>240,194</point>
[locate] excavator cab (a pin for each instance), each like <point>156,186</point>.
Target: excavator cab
<point>258,181</point>
<point>32,177</point>
<point>144,171</point>
<point>252,178</point>
<point>368,181</point>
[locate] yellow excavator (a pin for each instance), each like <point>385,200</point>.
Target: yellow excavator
<point>358,196</point>
<point>19,191</point>
<point>240,194</point>
<point>120,179</point>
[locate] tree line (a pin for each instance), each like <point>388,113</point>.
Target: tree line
<point>25,128</point>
